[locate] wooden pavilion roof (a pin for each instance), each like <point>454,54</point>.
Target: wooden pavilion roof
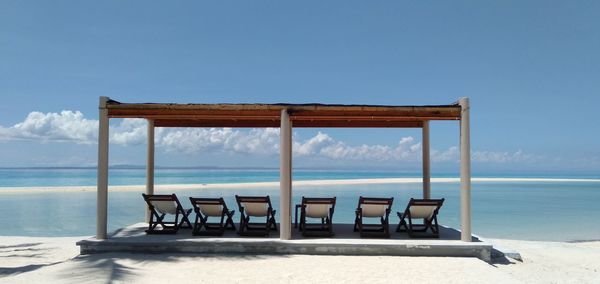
<point>268,115</point>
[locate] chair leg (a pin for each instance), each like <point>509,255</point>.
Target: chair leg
<point>245,226</point>
<point>437,228</point>
<point>152,223</point>
<point>360,227</point>
<point>166,229</point>
<point>197,225</point>
<point>159,221</point>
<point>273,224</point>
<point>268,226</point>
<point>409,228</point>
<point>242,226</point>
<point>229,222</point>
<point>402,224</point>
<point>185,222</point>
<point>386,227</point>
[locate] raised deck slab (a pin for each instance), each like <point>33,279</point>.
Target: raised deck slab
<point>345,242</point>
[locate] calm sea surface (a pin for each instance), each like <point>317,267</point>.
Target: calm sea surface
<point>515,210</point>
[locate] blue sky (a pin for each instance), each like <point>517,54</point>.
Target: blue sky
<point>530,68</point>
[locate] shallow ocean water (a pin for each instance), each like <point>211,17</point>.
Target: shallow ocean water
<point>558,211</point>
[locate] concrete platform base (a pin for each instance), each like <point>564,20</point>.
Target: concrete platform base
<point>345,242</point>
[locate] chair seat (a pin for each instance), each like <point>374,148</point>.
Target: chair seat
<point>317,210</point>
<point>420,209</point>
<point>256,207</point>
<point>372,207</point>
<point>161,206</point>
<point>211,208</point>
<point>320,208</point>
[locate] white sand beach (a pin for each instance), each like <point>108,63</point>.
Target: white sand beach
<point>254,185</point>
<point>57,260</point>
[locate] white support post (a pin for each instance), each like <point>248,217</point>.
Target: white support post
<point>426,162</point>
<point>285,176</point>
<point>102,197</point>
<point>465,171</point>
<point>149,165</point>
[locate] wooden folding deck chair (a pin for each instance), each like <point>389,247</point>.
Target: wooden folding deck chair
<point>161,205</point>
<point>211,207</point>
<point>319,208</point>
<point>255,206</point>
<point>425,209</point>
<point>369,207</point>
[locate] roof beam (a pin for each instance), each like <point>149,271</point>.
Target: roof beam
<point>268,115</point>
<point>276,123</point>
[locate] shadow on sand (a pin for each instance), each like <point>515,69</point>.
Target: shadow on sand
<point>10,271</point>
<point>15,250</point>
<point>111,264</point>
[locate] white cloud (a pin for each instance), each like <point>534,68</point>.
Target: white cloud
<point>325,146</point>
<point>129,132</point>
<point>71,126</point>
<point>255,141</point>
<point>62,127</point>
<point>503,157</point>
<point>313,145</point>
<point>191,140</point>
<point>449,155</point>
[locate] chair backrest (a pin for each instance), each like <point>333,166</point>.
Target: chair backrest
<point>209,206</point>
<point>424,208</point>
<point>317,207</point>
<point>257,206</point>
<point>163,203</point>
<point>375,207</point>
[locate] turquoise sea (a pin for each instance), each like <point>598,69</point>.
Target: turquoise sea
<point>546,210</point>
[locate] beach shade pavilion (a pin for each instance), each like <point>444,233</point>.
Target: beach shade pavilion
<point>285,116</point>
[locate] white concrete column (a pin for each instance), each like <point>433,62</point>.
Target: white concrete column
<point>102,198</point>
<point>285,177</point>
<point>426,161</point>
<point>149,165</point>
<point>465,172</point>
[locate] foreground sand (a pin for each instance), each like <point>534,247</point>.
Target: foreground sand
<point>56,260</point>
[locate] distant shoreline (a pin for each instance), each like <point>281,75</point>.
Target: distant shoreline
<point>406,172</point>
<point>275,184</point>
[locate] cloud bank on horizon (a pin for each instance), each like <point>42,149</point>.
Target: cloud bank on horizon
<point>72,127</point>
